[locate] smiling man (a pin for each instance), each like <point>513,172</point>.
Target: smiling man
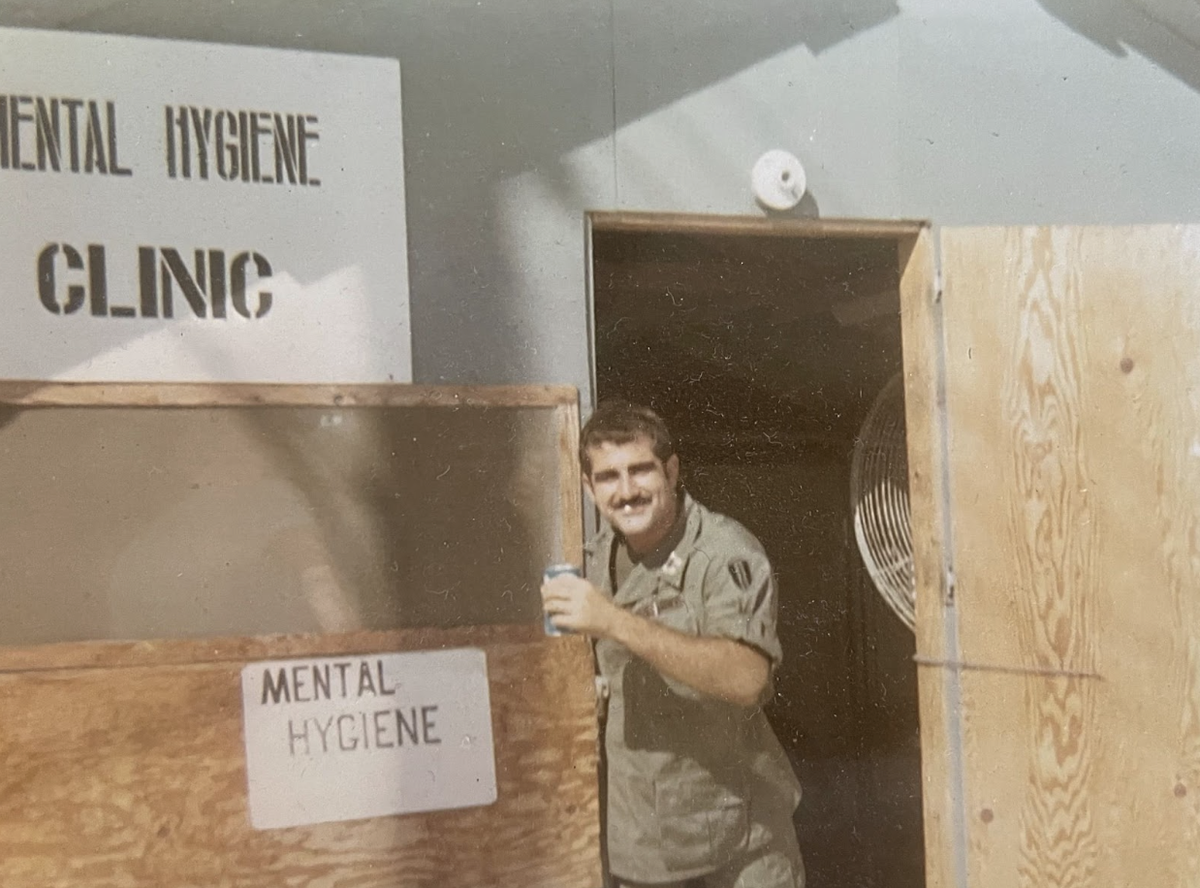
<point>681,603</point>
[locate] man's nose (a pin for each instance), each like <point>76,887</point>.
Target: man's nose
<point>625,489</point>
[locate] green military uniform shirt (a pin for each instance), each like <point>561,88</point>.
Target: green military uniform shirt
<point>693,782</point>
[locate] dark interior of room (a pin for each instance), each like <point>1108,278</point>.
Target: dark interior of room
<point>764,352</point>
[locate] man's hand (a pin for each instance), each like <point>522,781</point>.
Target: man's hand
<point>719,667</point>
<point>575,604</point>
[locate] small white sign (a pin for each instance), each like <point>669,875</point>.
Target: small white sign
<point>343,738</point>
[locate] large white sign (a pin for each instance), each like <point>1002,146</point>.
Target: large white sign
<point>188,212</point>
<point>343,738</point>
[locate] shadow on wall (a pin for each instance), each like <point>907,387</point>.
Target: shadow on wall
<point>677,48</point>
<point>1165,31</point>
<point>490,91</point>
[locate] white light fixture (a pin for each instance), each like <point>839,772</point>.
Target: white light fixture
<point>778,180</point>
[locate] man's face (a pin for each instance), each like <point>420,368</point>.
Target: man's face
<point>634,491</point>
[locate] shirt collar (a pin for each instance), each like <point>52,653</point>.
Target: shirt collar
<point>674,566</point>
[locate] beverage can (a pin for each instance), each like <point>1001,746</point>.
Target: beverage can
<point>557,570</point>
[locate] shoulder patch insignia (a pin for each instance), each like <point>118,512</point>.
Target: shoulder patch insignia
<point>740,571</point>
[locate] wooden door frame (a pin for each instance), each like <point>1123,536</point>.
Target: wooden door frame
<point>921,338</point>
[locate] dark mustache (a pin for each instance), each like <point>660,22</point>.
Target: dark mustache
<point>635,501</point>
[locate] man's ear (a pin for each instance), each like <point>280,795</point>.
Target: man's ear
<point>587,485</point>
<point>672,468</point>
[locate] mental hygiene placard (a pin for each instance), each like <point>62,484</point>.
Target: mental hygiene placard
<point>343,738</point>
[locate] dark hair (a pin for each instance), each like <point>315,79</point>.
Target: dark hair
<point>619,422</point>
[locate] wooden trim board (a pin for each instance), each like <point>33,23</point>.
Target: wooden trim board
<point>570,482</point>
<point>689,223</point>
<point>925,428</point>
<point>77,655</point>
<point>83,394</point>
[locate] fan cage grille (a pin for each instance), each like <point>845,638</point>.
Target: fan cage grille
<point>880,504</point>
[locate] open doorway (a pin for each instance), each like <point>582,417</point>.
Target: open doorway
<point>763,344</point>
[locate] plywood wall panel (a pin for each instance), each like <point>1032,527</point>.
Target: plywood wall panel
<point>155,539</point>
<point>135,776</point>
<point>1072,360</point>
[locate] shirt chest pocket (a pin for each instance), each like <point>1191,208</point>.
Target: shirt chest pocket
<point>655,692</point>
<point>671,608</point>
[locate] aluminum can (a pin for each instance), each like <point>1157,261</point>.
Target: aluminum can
<point>557,570</point>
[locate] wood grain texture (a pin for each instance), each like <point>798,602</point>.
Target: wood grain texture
<point>1073,362</point>
<point>90,394</point>
<point>135,776</point>
<point>923,427</point>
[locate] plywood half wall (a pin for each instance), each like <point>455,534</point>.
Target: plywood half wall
<point>155,541</point>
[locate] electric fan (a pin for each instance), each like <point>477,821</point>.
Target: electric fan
<point>879,501</point>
